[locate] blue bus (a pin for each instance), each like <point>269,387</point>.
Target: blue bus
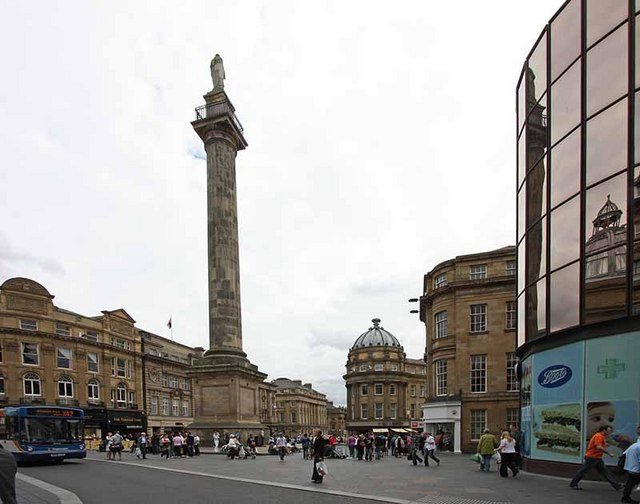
<point>41,433</point>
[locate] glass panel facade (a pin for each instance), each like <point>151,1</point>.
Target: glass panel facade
<point>605,289</point>
<point>602,16</point>
<point>521,318</point>
<point>565,38</point>
<point>521,105</point>
<point>607,143</point>
<point>607,65</point>
<point>565,169</point>
<point>537,251</point>
<point>565,103</point>
<point>538,71</point>
<point>521,264</point>
<point>536,193</point>
<point>565,233</point>
<point>636,133</point>
<point>637,62</point>
<point>605,214</point>
<point>522,207</point>
<point>536,313</point>
<point>522,157</point>
<point>564,299</point>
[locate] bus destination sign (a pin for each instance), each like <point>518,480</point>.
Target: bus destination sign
<point>53,412</point>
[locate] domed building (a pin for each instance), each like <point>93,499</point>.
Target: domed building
<point>385,389</point>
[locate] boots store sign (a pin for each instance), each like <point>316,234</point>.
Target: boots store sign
<point>555,376</point>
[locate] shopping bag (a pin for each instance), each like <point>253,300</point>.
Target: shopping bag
<point>137,452</point>
<point>497,457</point>
<point>321,467</point>
<point>476,458</point>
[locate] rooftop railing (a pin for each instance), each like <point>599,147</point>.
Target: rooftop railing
<point>214,110</point>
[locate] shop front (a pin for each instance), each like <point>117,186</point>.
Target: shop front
<point>569,391</point>
<point>126,421</point>
<point>442,420</point>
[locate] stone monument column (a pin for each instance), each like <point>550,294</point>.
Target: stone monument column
<point>226,384</point>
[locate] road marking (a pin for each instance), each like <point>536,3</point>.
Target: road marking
<point>339,493</point>
<point>65,496</point>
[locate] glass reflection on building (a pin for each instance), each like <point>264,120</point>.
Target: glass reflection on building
<point>578,140</point>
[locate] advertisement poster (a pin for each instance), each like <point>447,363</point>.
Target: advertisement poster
<point>557,386</point>
<point>612,378</point>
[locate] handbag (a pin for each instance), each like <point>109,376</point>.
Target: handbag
<point>476,458</point>
<point>321,467</point>
<point>497,457</point>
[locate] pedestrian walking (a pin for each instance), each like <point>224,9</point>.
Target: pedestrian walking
<point>177,444</point>
<point>281,445</point>
<point>632,467</point>
<point>368,447</point>
<point>142,445</point>
<point>487,447</point>
<point>233,446</point>
<point>507,451</point>
<point>318,456</point>
<point>430,449</point>
<point>351,443</point>
<point>517,436</point>
<point>196,445</point>
<point>8,468</point>
<point>116,446</point>
<point>216,441</point>
<point>593,458</point>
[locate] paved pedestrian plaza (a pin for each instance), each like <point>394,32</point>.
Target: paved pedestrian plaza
<point>266,479</point>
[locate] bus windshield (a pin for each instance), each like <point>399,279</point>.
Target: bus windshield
<point>51,430</point>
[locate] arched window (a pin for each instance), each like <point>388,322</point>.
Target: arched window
<point>31,383</point>
<point>1,384</point>
<point>121,395</point>
<point>65,387</point>
<point>93,390</point>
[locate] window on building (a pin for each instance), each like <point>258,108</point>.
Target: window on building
<point>121,395</point>
<point>392,390</point>
<point>512,378</point>
<point>175,407</point>
<point>281,417</point>
<point>131,398</point>
<point>30,354</point>
<point>31,382</point>
<point>153,351</point>
<point>511,268</point>
<point>92,336</point>
<point>478,423</point>
<point>440,319</point>
<point>379,367</point>
<point>510,315</point>
<point>440,281</point>
<point>173,381</point>
<point>393,411</point>
<point>478,317</point>
<point>379,411</point>
<point>423,391</point>
<point>184,384</point>
<point>186,411</point>
<point>129,369</point>
<point>93,390</point>
<point>120,343</point>
<point>412,370</point>
<point>412,411</point>
<point>364,390</point>
<point>92,362</point>
<point>63,330</point>
<point>478,373</point>
<point>363,368</point>
<point>118,367</point>
<point>477,271</point>
<point>1,384</point>
<point>394,367</point>
<point>364,411</point>
<point>154,405</point>
<point>441,377</point>
<point>294,417</point>
<point>28,325</point>
<point>378,390</point>
<point>165,406</point>
<point>412,391</point>
<point>65,387</point>
<point>64,358</point>
<point>513,417</point>
<point>165,380</point>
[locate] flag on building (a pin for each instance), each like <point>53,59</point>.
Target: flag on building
<point>169,323</point>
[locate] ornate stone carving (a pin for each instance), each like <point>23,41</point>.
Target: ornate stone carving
<point>25,285</point>
<point>121,327</point>
<point>26,304</point>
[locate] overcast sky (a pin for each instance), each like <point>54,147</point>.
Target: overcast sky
<point>381,142</point>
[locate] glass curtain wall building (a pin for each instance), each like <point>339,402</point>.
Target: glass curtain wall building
<point>578,234</point>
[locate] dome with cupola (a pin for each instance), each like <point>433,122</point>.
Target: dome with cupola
<point>376,336</point>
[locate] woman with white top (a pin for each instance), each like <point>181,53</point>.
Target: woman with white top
<point>507,451</point>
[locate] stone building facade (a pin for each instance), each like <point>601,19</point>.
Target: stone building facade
<point>337,419</point>
<point>299,408</point>
<point>49,355</point>
<point>469,311</point>
<point>385,389</point>
<point>167,385</point>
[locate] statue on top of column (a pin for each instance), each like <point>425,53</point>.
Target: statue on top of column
<point>217,72</point>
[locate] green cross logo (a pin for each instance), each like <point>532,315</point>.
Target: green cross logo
<point>611,368</point>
